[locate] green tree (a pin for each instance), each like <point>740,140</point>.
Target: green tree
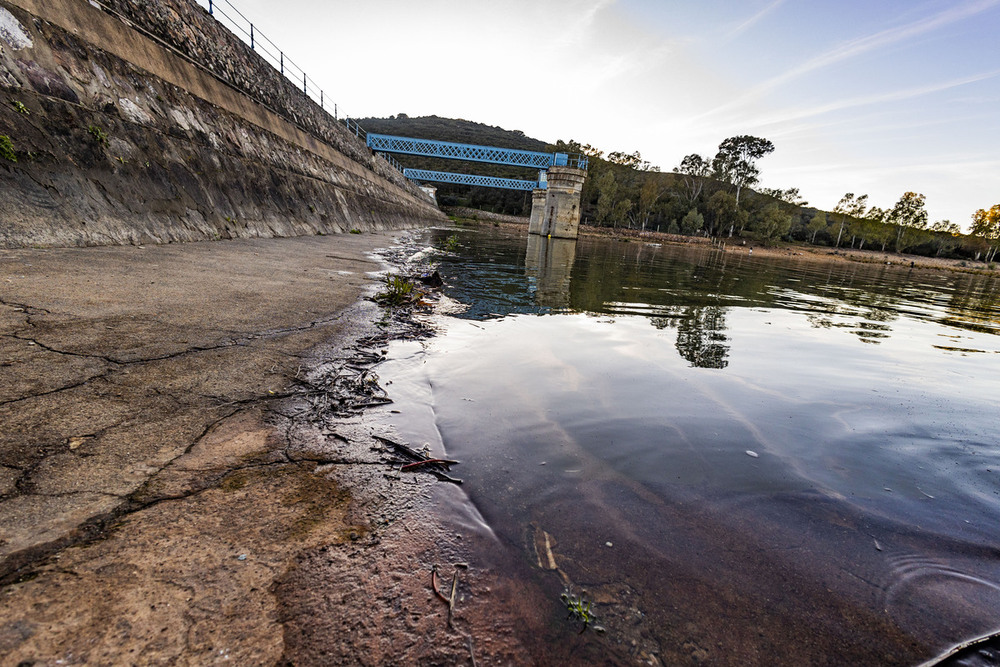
<point>772,224</point>
<point>692,222</point>
<point>721,210</point>
<point>652,189</point>
<point>621,212</point>
<point>791,195</point>
<point>878,228</point>
<point>607,195</point>
<point>907,215</point>
<point>852,206</point>
<point>946,226</point>
<point>735,163</point>
<point>816,225</point>
<point>695,170</point>
<point>986,226</point>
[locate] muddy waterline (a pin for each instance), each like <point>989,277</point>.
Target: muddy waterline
<point>737,460</point>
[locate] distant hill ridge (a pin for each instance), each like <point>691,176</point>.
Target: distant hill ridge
<point>452,129</point>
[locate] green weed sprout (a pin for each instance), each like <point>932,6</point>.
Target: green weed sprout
<point>7,148</point>
<point>579,609</point>
<point>398,291</point>
<point>99,135</point>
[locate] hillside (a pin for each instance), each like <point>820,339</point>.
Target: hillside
<point>452,129</point>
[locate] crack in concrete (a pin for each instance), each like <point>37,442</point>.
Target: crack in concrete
<point>67,353</point>
<point>17,565</point>
<point>69,494</point>
<point>57,390</point>
<point>240,340</point>
<point>25,308</point>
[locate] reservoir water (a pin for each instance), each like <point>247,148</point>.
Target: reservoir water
<point>735,459</point>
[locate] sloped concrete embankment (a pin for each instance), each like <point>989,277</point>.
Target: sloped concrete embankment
<point>119,134</point>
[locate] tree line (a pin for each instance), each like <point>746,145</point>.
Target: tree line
<point>703,195</point>
<point>714,196</point>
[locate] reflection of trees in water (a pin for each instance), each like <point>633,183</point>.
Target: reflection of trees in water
<point>863,313</point>
<point>975,304</point>
<point>700,335</point>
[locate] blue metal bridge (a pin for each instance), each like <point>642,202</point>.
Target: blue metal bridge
<point>472,153</point>
<point>472,179</point>
<point>385,143</point>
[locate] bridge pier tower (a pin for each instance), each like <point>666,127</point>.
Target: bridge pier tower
<point>537,210</point>
<point>560,210</point>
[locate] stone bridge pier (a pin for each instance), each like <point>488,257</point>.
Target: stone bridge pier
<point>555,211</point>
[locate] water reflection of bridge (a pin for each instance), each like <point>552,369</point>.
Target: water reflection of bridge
<point>549,265</point>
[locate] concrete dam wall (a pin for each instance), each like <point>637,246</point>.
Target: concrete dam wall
<point>132,121</point>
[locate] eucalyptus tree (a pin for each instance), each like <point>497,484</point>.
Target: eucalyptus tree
<point>986,226</point>
<point>816,225</point>
<point>607,195</point>
<point>772,224</point>
<point>790,195</point>
<point>908,214</point>
<point>653,188</point>
<point>735,163</point>
<point>852,206</point>
<point>694,169</point>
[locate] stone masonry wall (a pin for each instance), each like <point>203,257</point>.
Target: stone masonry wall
<point>118,138</point>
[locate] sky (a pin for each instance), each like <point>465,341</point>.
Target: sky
<point>870,97</point>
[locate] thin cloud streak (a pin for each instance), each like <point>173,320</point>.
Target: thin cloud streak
<point>895,96</point>
<point>752,21</point>
<point>862,45</point>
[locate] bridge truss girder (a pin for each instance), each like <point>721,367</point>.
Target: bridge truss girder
<point>471,153</point>
<point>472,179</point>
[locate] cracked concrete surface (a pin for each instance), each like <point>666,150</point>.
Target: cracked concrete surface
<point>115,361</point>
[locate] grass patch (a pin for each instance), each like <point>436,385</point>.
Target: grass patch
<point>7,148</point>
<point>99,136</point>
<point>398,291</point>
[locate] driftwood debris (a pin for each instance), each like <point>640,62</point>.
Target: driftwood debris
<point>450,598</point>
<point>418,460</point>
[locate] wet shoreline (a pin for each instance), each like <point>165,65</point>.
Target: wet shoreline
<point>805,588</point>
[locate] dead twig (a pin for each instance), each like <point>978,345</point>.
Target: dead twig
<point>445,462</point>
<point>451,598</point>
<point>434,584</point>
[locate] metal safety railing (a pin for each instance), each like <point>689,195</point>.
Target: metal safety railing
<point>237,23</point>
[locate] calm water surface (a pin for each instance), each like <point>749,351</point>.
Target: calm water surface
<point>740,460</point>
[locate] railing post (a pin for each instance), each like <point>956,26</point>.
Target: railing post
<point>320,99</point>
<point>304,88</point>
<point>210,6</point>
<point>335,111</point>
<point>282,62</point>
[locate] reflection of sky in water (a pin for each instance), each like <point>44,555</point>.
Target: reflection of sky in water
<point>873,416</point>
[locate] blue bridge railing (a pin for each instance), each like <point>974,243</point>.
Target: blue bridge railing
<point>473,153</point>
<point>472,179</point>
